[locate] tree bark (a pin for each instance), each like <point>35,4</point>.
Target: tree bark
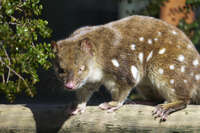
<point>128,119</point>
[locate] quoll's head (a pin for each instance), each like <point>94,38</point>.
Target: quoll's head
<point>72,59</point>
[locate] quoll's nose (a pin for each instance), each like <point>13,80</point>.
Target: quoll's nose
<point>70,84</point>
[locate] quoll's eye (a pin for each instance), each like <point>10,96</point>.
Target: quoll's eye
<point>60,70</point>
<point>82,68</point>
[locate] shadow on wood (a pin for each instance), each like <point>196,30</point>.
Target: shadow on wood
<point>48,118</point>
<point>130,119</point>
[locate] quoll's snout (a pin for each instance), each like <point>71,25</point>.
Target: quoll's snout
<point>68,79</point>
<point>70,84</point>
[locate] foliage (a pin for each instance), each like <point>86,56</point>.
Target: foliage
<point>21,53</point>
<point>193,3</point>
<point>153,9</point>
<point>192,30</point>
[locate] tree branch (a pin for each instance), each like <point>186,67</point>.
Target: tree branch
<point>3,78</point>
<point>18,75</point>
<point>8,76</point>
<point>129,119</point>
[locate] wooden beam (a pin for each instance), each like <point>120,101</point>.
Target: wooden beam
<point>130,119</point>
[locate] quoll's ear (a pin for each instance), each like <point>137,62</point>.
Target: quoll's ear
<point>87,46</point>
<point>54,46</point>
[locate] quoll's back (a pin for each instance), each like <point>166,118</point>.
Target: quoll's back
<point>149,54</point>
<point>153,46</point>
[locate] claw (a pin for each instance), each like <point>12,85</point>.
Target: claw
<point>80,109</point>
<point>105,106</point>
<point>161,112</point>
<point>164,117</point>
<point>110,108</point>
<point>157,112</point>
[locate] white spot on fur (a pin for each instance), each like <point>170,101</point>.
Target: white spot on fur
<point>135,73</point>
<point>149,56</point>
<point>174,32</point>
<point>140,56</point>
<point>185,81</point>
<point>149,41</point>
<point>195,62</point>
<point>141,39</point>
<point>189,46</point>
<point>181,58</point>
<point>173,89</point>
<point>159,33</point>
<point>155,39</point>
<point>115,62</point>
<point>160,70</point>
<point>197,77</point>
<point>162,51</point>
<point>172,81</point>
<point>171,67</point>
<point>182,68</point>
<point>132,46</point>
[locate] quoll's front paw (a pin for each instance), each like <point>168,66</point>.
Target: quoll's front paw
<point>79,109</point>
<point>110,107</point>
<point>105,106</point>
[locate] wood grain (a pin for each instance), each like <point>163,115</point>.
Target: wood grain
<point>128,119</point>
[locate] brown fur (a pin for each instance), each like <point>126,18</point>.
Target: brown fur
<point>154,80</point>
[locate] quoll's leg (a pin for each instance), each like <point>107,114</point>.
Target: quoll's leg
<point>75,109</point>
<point>83,95</point>
<point>119,93</point>
<point>173,77</point>
<point>163,110</point>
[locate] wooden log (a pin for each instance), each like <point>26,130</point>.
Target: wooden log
<point>128,119</point>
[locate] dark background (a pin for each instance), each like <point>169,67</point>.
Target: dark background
<point>64,16</point>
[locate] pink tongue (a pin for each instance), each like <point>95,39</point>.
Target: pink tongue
<point>70,84</point>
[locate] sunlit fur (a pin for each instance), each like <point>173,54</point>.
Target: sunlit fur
<point>155,50</point>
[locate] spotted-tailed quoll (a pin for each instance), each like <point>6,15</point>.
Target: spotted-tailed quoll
<point>135,52</point>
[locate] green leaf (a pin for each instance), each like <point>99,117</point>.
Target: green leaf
<point>9,11</point>
<point>20,49</point>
